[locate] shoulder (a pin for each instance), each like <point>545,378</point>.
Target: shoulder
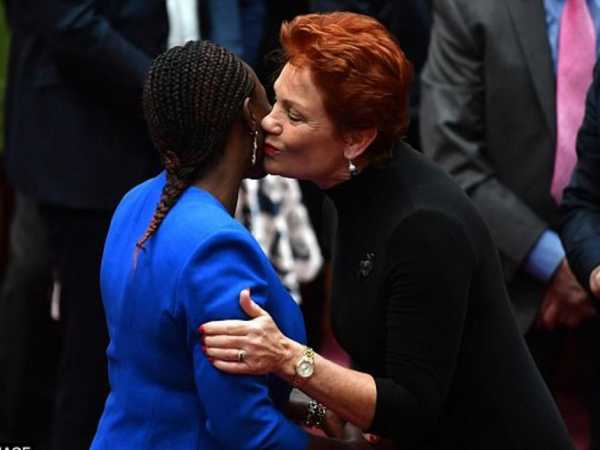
<point>466,8</point>
<point>467,16</point>
<point>419,181</point>
<point>212,276</point>
<point>430,222</point>
<point>224,252</point>
<point>134,203</point>
<point>141,192</point>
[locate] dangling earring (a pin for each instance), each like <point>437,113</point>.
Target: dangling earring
<point>352,169</point>
<point>254,146</point>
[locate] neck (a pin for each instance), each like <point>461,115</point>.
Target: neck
<point>224,189</point>
<point>224,180</point>
<point>342,174</point>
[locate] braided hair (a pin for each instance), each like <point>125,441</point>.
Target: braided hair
<point>192,96</point>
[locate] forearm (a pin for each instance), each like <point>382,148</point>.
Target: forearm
<point>349,393</point>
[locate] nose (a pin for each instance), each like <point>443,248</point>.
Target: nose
<point>271,124</point>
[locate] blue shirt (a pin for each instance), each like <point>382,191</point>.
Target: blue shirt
<point>548,252</point>
<point>165,394</point>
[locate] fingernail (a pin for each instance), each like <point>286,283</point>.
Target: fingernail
<point>201,329</point>
<point>203,349</point>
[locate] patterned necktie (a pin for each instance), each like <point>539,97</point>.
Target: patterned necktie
<point>576,57</point>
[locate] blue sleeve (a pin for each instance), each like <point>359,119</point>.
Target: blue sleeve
<point>240,413</point>
<point>544,258</point>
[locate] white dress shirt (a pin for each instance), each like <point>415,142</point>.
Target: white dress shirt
<point>184,25</point>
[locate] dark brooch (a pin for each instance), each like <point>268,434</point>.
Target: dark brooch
<point>365,267</point>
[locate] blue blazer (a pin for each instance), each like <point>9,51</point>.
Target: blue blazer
<point>75,134</point>
<point>165,394</point>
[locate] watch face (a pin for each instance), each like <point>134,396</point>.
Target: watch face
<point>305,369</point>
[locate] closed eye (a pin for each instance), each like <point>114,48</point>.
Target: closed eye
<point>294,117</point>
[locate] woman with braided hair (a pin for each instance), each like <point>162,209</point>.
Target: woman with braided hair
<point>175,258</point>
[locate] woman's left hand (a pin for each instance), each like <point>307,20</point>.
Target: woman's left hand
<point>255,347</point>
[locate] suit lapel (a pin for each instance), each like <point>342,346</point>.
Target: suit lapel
<point>529,19</point>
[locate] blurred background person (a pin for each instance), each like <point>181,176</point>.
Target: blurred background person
<point>238,25</point>
<point>76,142</point>
<point>502,97</point>
<point>25,407</point>
<point>581,202</point>
<point>6,199</point>
<point>580,231</point>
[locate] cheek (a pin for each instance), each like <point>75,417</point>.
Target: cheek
<point>300,143</point>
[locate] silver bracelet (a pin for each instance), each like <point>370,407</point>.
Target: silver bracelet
<point>315,415</point>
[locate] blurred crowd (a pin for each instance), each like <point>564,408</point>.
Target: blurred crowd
<point>498,99</point>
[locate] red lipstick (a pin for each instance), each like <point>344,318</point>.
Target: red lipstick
<point>271,151</point>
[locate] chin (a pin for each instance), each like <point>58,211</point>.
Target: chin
<point>272,167</point>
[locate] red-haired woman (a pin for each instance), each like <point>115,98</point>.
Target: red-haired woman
<point>418,294</point>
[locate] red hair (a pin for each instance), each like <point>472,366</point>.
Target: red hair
<point>361,72</point>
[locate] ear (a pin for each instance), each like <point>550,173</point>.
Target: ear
<point>357,141</point>
<point>248,114</point>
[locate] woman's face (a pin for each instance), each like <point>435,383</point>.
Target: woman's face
<point>301,140</point>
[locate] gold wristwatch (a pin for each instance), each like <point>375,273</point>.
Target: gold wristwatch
<point>305,366</point>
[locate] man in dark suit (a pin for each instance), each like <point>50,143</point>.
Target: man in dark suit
<point>489,117</point>
<point>580,229</point>
<point>76,142</point>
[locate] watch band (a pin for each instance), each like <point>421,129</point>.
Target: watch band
<point>304,367</point>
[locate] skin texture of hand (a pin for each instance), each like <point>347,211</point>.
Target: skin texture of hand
<point>349,393</point>
<point>267,350</point>
<point>566,303</point>
<point>595,282</point>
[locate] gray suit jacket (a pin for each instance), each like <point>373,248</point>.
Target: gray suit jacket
<point>488,118</point>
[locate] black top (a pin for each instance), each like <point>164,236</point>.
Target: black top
<point>419,302</point>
